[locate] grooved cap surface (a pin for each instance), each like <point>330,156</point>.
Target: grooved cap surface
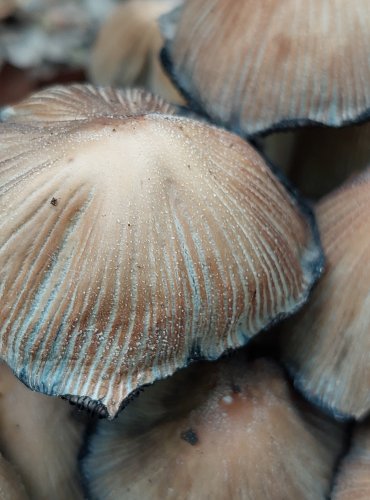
<point>133,240</point>
<point>255,66</point>
<point>327,346</point>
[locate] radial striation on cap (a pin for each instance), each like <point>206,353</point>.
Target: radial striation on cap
<point>353,478</point>
<point>224,430</point>
<point>256,66</point>
<point>327,347</point>
<point>133,240</point>
<point>84,102</point>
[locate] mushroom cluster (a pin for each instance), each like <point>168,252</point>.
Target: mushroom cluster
<point>160,272</point>
<point>246,67</point>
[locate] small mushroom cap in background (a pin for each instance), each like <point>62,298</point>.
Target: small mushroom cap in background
<point>257,66</point>
<point>134,241</point>
<point>353,477</point>
<point>126,52</point>
<point>244,435</point>
<point>42,437</point>
<point>11,485</point>
<point>327,346</point>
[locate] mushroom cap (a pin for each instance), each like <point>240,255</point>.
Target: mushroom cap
<point>11,485</point>
<point>134,240</point>
<point>126,52</point>
<point>327,346</point>
<point>226,430</point>
<point>42,438</point>
<point>256,66</point>
<point>353,478</point>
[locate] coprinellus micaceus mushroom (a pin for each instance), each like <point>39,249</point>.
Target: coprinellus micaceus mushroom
<point>134,240</point>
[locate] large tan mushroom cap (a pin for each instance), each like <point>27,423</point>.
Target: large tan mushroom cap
<point>134,240</point>
<point>11,486</point>
<point>40,436</point>
<point>353,479</point>
<point>254,66</point>
<point>327,347</point>
<point>226,430</point>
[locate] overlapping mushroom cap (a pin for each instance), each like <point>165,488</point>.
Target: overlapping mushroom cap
<point>11,486</point>
<point>224,430</point>
<point>41,436</point>
<point>328,346</point>
<point>254,66</point>
<point>133,240</point>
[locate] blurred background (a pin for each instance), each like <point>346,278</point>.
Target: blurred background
<point>43,42</point>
